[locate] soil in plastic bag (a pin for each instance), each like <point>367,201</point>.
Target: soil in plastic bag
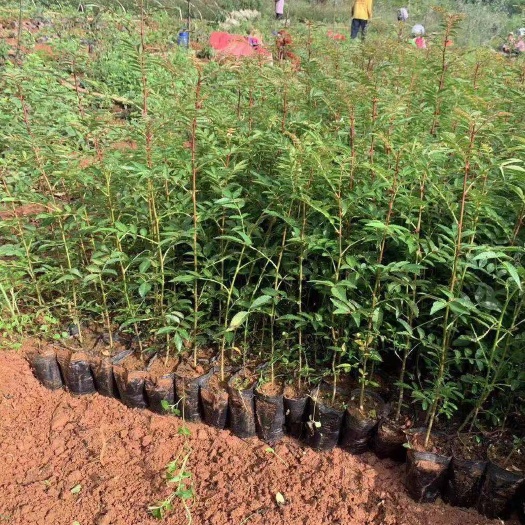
<point>498,491</point>
<point>464,482</point>
<point>269,413</point>
<point>241,403</point>
<point>295,406</point>
<point>76,372</point>
<point>358,425</point>
<point>102,371</point>
<point>130,385</point>
<point>214,399</point>
<point>325,419</point>
<point>45,367</point>
<point>469,461</point>
<point>188,383</point>
<point>160,384</point>
<point>426,472</point>
<point>389,439</point>
<point>158,390</point>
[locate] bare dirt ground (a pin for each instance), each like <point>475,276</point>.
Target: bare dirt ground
<point>52,442</point>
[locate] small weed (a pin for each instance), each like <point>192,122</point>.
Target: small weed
<point>176,474</point>
<point>184,431</point>
<point>170,409</point>
<point>270,450</point>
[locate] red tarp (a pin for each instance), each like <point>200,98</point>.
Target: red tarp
<point>336,36</point>
<point>228,44</point>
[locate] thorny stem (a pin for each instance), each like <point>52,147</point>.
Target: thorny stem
<point>285,107</point>
<point>77,90</point>
<point>56,208</point>
<point>352,146</point>
<point>300,293</point>
<point>476,73</point>
<point>488,384</point>
<point>105,313</point>
<point>193,147</point>
<point>27,247</point>
<point>375,100</point>
<point>451,21</point>
<point>118,243</point>
<point>340,233</point>
<point>272,315</point>
<point>406,350</point>
<point>447,330</point>
<point>152,204</point>
<point>519,223</point>
<point>19,33</point>
<point>227,310</point>
<point>377,285</point>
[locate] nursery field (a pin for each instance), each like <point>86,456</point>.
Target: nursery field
<point>297,277</point>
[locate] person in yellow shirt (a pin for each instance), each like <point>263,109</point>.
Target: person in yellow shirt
<point>361,14</point>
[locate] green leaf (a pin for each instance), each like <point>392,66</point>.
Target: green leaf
<point>76,489</point>
<point>185,494</point>
<point>489,254</point>
<point>144,288</point>
<point>356,316</point>
<point>437,306</point>
<point>339,293</point>
<point>513,272</point>
<point>121,227</point>
<point>237,320</point>
<point>144,265</point>
<point>184,431</point>
<point>377,317</point>
<point>166,330</point>
<point>260,301</point>
<point>156,512</point>
<point>185,278</point>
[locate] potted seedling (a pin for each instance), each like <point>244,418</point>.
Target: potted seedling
<point>427,464</point>
<point>504,476</point>
<point>467,468</point>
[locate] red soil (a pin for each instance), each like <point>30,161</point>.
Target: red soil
<point>52,442</point>
<point>24,210</point>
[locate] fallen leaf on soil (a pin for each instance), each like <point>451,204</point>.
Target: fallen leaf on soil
<point>76,489</point>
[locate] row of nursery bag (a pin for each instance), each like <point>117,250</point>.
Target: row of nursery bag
<point>464,469</point>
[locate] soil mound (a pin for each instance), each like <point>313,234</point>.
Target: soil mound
<point>53,442</point>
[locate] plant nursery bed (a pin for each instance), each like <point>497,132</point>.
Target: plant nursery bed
<point>92,460</point>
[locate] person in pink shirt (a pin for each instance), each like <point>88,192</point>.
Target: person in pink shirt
<point>279,9</point>
<point>418,32</point>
